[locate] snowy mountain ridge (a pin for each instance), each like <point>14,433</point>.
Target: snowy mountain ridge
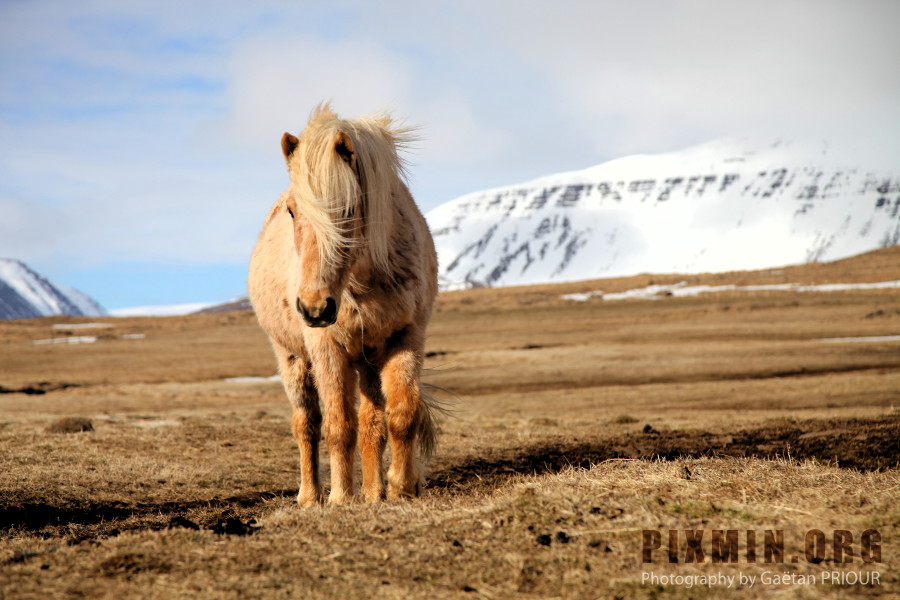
<point>25,294</point>
<point>722,206</point>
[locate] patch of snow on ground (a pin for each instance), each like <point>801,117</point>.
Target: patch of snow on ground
<point>166,310</point>
<point>78,339</point>
<point>678,290</point>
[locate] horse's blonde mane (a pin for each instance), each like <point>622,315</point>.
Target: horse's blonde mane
<point>326,190</point>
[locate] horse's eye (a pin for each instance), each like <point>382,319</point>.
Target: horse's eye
<point>290,212</point>
<point>351,212</point>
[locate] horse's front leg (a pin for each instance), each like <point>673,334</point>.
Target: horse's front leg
<point>306,420</point>
<point>400,385</point>
<point>336,381</point>
<point>372,433</point>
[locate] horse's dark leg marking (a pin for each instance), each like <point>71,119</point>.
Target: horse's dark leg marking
<point>372,433</point>
<point>306,421</point>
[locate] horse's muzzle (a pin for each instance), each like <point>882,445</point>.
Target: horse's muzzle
<point>321,317</point>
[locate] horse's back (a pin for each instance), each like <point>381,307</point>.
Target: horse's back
<point>422,252</point>
<point>267,283</point>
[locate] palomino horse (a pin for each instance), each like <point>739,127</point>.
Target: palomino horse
<point>343,279</point>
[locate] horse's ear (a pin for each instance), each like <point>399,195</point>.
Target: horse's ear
<point>288,144</point>
<point>343,145</point>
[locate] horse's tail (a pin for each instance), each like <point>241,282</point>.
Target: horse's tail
<point>428,427</point>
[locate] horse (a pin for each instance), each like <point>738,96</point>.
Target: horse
<point>343,280</point>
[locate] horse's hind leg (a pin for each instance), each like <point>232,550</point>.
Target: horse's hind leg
<point>306,421</point>
<point>372,433</point>
<point>400,384</point>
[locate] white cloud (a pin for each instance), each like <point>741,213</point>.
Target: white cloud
<point>661,74</point>
<point>569,84</point>
<point>277,78</point>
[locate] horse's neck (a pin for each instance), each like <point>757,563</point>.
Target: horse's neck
<point>362,279</point>
<point>366,280</point>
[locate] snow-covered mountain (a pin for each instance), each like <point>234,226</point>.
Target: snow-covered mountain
<point>726,205</point>
<point>25,294</point>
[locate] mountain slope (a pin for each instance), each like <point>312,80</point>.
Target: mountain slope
<point>25,294</point>
<point>722,206</point>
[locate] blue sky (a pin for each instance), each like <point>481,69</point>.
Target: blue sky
<point>139,141</point>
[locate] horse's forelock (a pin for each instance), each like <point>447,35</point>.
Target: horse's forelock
<point>327,190</point>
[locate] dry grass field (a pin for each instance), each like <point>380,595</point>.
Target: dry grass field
<point>584,437</point>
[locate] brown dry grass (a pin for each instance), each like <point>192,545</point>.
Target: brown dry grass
<point>575,427</point>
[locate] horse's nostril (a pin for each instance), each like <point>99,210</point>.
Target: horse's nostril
<point>324,317</point>
<point>330,312</point>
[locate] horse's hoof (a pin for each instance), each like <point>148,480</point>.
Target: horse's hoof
<point>408,491</point>
<point>373,497</point>
<point>338,499</point>
<point>308,500</point>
